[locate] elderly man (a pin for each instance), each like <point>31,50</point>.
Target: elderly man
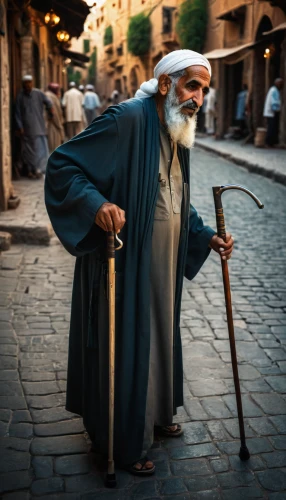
<point>31,127</point>
<point>130,171</point>
<point>56,133</point>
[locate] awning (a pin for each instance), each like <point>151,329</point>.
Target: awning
<point>280,27</point>
<point>78,56</point>
<point>73,13</point>
<point>225,52</point>
<point>235,13</point>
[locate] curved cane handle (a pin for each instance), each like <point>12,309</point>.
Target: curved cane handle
<point>120,243</point>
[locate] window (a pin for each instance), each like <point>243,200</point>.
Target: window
<point>86,46</point>
<point>167,19</point>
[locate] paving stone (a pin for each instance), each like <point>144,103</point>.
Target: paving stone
<point>235,479</point>
<point>43,467</point>
<point>42,402</point>
<point>232,428</point>
<point>38,388</point>
<point>72,464</point>
<point>8,349</point>
<point>74,426</point>
<point>173,486</point>
<point>280,423</point>
<point>190,467</point>
<point>195,410</point>
<point>9,375</point>
<point>250,492</point>
<point>275,459</point>
<point>254,463</point>
<point>14,443</point>
<point>145,489</point>
<point>8,363</point>
<point>276,354</point>
<point>21,416</point>
<point>273,480</point>
<point>217,430</point>
<point>249,408</point>
<point>10,388</point>
<point>59,445</point>
<point>195,432</point>
<point>5,415</point>
<point>277,496</point>
<point>215,407</point>
<point>162,469</point>
<point>4,427</point>
<point>258,385</point>
<point>272,404</point>
<point>262,426</point>
<point>21,430</point>
<point>20,495</point>
<point>13,402</point>
<point>194,451</point>
<point>48,485</point>
<point>219,464</point>
<point>278,384</point>
<point>201,483</point>
<point>14,461</point>
<point>18,480</point>
<point>205,387</point>
<point>51,415</point>
<point>81,483</point>
<point>37,376</point>
<point>279,442</point>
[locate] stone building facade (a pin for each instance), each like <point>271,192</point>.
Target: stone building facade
<point>238,37</point>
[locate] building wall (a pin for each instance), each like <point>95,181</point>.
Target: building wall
<point>5,152</point>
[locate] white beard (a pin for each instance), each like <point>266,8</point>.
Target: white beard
<point>182,128</point>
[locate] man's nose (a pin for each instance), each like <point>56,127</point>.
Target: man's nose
<point>199,97</point>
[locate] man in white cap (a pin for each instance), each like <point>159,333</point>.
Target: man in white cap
<point>129,172</point>
<point>31,126</point>
<point>74,115</point>
<point>91,103</point>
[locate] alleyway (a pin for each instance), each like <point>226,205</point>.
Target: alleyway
<point>44,449</point>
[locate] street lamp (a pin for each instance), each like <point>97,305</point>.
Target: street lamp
<point>63,36</point>
<point>52,19</point>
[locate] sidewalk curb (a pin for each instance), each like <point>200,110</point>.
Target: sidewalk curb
<point>30,234</point>
<point>251,167</point>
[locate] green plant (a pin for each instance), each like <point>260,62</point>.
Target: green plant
<point>192,24</point>
<point>92,67</point>
<point>139,35</point>
<point>108,36</point>
<point>73,76</point>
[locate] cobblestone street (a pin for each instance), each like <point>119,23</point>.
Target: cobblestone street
<point>45,452</point>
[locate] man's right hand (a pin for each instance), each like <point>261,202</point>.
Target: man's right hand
<point>110,217</point>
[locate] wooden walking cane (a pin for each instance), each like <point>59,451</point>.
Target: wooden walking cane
<point>111,237</point>
<point>217,192</point>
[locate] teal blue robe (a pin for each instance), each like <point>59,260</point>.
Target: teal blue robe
<point>116,159</point>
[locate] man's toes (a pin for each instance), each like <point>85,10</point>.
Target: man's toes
<point>149,465</point>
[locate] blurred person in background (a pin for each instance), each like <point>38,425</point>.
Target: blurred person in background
<point>271,112</point>
<point>115,97</point>
<point>91,104</point>
<point>72,104</point>
<point>81,88</point>
<point>240,109</point>
<point>56,133</point>
<point>31,127</point>
<point>210,110</point>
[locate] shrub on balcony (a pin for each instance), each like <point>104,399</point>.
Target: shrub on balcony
<point>192,24</point>
<point>108,36</point>
<point>139,35</point>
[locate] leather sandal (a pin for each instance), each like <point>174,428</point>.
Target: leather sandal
<point>168,432</point>
<point>140,472</point>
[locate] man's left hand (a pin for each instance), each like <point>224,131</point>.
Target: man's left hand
<point>224,248</point>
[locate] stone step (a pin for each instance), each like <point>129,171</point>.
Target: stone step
<point>30,233</point>
<point>5,241</point>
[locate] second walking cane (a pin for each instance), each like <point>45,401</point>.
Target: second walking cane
<point>111,237</point>
<point>221,231</point>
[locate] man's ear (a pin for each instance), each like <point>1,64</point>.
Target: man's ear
<point>164,84</point>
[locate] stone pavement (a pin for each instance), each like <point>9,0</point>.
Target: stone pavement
<point>45,450</point>
<point>268,162</point>
<point>29,223</point>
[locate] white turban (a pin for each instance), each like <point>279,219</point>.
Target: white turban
<point>171,63</point>
<point>27,78</point>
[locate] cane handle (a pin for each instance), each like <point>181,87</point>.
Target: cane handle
<point>120,243</point>
<point>220,224</point>
<point>110,245</point>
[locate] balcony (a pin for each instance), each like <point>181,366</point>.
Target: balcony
<point>170,40</point>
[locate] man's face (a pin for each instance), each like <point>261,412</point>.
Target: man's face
<point>28,85</point>
<point>193,87</point>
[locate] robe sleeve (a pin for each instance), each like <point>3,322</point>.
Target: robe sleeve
<point>79,177</point>
<point>198,244</point>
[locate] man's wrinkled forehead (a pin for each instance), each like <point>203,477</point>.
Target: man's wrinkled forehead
<point>198,73</point>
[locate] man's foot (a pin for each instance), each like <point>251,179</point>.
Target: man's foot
<point>174,430</point>
<point>143,467</point>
